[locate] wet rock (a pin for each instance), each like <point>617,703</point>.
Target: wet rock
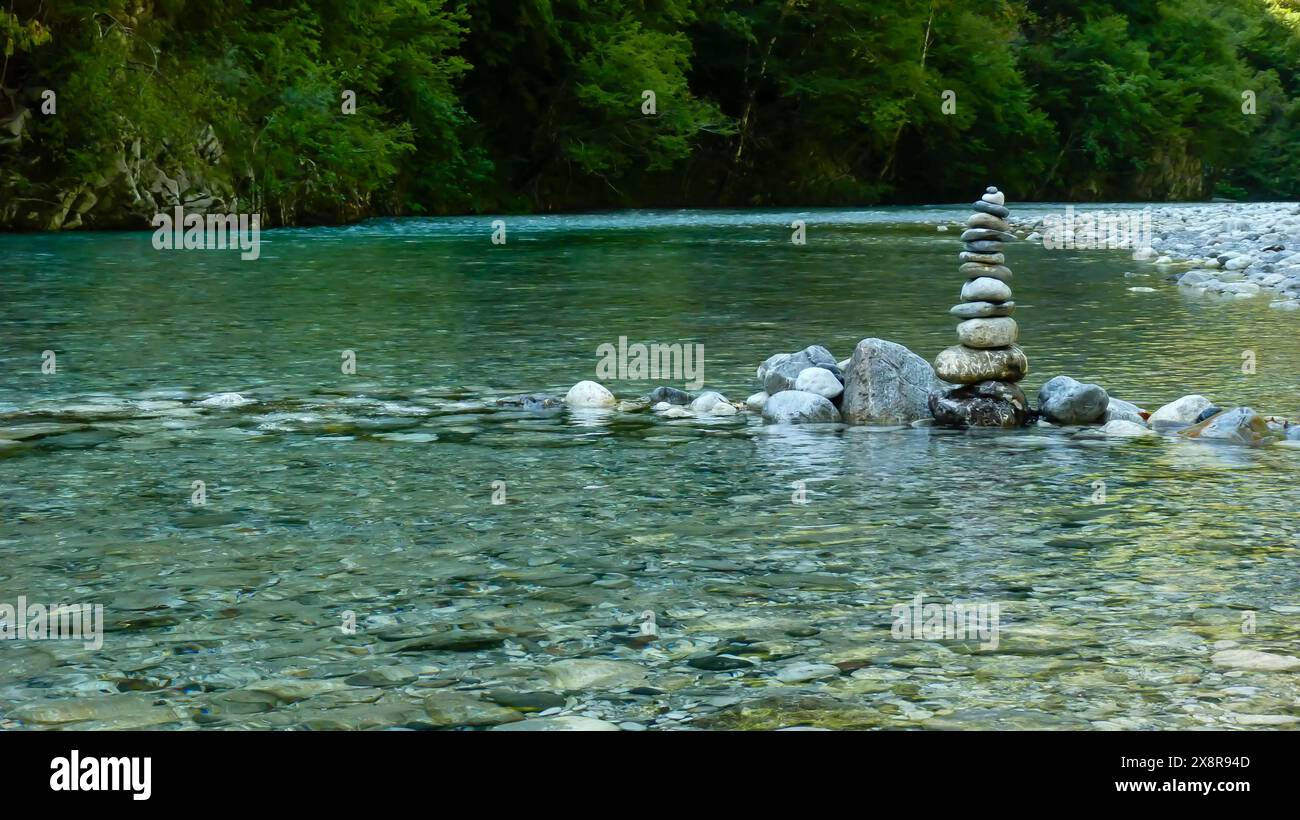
<point>984,404</point>
<point>82,440</point>
<point>756,401</point>
<point>719,663</point>
<point>806,580</point>
<point>669,394</point>
<point>983,220</point>
<point>1194,277</point>
<point>126,711</point>
<point>1208,412</point>
<point>802,672</point>
<point>291,690</point>
<point>382,676</point>
<point>985,289</point>
<point>798,407</point>
<point>978,234</point>
<point>885,383</point>
<point>966,365</point>
<point>192,520</point>
<point>531,401</point>
<point>780,372</point>
<point>1063,400</point>
<point>1255,661</point>
<point>982,310</point>
<point>1241,425</point>
<point>1121,428</point>
<point>768,364</point>
<point>975,270</point>
<point>448,709</point>
<point>584,673</point>
<point>526,701</point>
<point>819,380</point>
<point>1267,720</point>
<point>411,438</point>
<point>559,580</point>
<point>452,640</point>
<point>224,705</point>
<point>225,400</point>
<point>561,723</point>
<point>366,717</point>
<point>19,662</point>
<point>986,258</point>
<point>988,333</point>
<point>788,710</point>
<point>1000,211</point>
<point>1182,411</point>
<point>1120,410</point>
<point>24,432</point>
<point>1007,719</point>
<point>706,401</point>
<point>992,194</point>
<point>589,394</point>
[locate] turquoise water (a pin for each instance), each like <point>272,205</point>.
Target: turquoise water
<point>372,493</point>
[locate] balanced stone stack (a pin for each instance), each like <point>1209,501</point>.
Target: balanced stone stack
<point>987,364</point>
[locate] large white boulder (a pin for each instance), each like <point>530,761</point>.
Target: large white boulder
<point>1182,411</point>
<point>589,394</point>
<point>819,380</point>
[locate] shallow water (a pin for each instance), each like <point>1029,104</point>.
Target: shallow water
<point>373,493</point>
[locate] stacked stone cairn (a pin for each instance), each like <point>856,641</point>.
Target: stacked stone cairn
<point>987,364</point>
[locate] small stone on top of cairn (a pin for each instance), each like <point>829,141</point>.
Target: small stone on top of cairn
<point>987,363</point>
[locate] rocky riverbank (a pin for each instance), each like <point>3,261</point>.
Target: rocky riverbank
<point>885,384</point>
<point>1233,250</point>
<point>1225,250</point>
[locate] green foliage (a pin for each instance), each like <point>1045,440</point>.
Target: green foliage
<point>1271,48</point>
<point>487,105</point>
<point>558,91</point>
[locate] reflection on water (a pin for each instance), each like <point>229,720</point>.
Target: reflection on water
<point>373,494</point>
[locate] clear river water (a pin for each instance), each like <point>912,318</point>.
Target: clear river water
<point>350,569</point>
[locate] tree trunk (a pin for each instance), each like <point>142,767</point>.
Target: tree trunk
<point>898,132</point>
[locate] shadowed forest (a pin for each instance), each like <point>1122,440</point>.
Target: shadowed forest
<point>112,111</point>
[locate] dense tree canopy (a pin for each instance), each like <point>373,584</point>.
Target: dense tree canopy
<point>110,109</point>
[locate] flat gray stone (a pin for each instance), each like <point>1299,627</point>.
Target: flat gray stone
<point>988,333</point>
<point>982,310</point>
<point>985,289</point>
<point>974,270</point>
